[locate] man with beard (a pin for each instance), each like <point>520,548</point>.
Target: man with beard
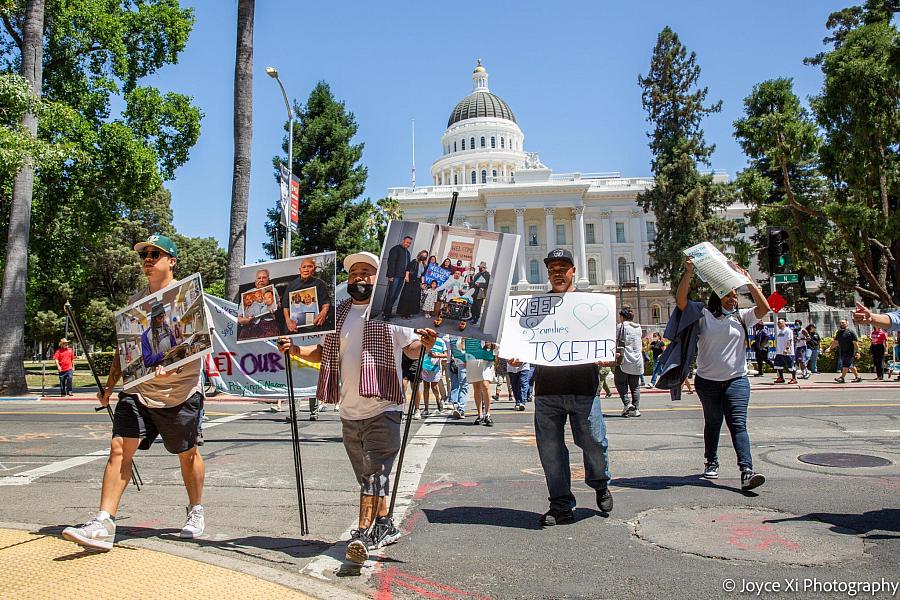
<point>258,320</point>
<point>306,280</point>
<point>847,343</point>
<point>361,368</point>
<point>168,405</point>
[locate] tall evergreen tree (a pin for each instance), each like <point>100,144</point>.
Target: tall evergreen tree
<point>331,179</point>
<point>686,203</point>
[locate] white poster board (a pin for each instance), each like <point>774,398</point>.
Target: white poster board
<point>715,269</point>
<point>573,328</point>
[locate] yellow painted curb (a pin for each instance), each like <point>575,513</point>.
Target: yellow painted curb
<point>37,566</point>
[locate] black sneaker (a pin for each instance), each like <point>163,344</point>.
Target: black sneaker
<point>557,516</point>
<point>359,546</point>
<point>711,470</point>
<point>604,500</point>
<point>477,420</point>
<point>488,421</point>
<point>385,533</point>
<point>750,480</point>
<point>199,438</point>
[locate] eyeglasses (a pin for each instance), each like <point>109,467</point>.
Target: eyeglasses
<point>154,254</point>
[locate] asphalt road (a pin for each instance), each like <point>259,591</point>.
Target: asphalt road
<point>472,496</point>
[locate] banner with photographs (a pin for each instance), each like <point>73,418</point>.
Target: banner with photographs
<point>574,328</point>
<point>168,329</point>
<point>412,291</point>
<point>291,296</point>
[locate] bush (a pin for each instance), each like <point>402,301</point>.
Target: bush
<point>828,362</point>
<point>102,362</point>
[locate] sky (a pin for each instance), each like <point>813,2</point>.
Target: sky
<point>568,70</point>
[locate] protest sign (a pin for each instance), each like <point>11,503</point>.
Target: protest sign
<point>715,269</point>
<point>436,273</point>
<point>573,328</point>
<point>461,251</point>
<point>165,329</point>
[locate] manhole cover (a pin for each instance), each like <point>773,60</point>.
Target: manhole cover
<point>743,533</point>
<point>844,459</point>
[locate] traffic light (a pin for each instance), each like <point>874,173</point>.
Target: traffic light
<point>779,248</point>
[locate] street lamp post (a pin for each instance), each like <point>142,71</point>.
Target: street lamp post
<point>286,209</point>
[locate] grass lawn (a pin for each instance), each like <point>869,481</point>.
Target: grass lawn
<point>80,378</point>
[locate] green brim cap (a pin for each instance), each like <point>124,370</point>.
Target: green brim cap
<point>161,242</point>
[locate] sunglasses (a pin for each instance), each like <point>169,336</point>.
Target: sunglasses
<point>154,254</point>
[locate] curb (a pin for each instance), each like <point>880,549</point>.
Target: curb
<point>301,583</point>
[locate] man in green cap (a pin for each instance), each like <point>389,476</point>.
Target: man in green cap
<point>168,405</point>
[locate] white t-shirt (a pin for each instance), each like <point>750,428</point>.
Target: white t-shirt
<point>353,406</point>
<point>784,341</point>
<point>721,352</point>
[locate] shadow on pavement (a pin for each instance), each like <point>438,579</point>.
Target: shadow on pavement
<point>496,516</point>
<point>886,519</point>
<point>667,482</point>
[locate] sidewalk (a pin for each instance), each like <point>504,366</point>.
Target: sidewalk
<point>40,564</point>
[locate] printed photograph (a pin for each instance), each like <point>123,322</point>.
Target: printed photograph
<point>168,328</point>
<point>450,279</point>
<point>290,296</point>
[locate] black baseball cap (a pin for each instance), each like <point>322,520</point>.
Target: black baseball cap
<point>559,254</point>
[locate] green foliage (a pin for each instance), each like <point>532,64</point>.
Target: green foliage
<point>331,180</point>
<point>97,323</point>
<point>200,255</point>
<point>46,326</point>
<point>827,363</point>
<point>686,204</point>
<point>102,362</point>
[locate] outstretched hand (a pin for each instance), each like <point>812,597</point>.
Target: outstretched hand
<point>862,314</point>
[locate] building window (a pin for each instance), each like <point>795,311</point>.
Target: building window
<point>494,173</point>
<point>455,179</point>
<point>589,234</point>
<point>532,235</point>
<point>493,142</point>
<point>482,141</point>
<point>741,225</point>
<point>534,272</point>
<point>504,229</point>
<point>454,146</point>
<point>623,271</point>
<point>560,234</point>
<point>651,231</point>
<point>620,233</point>
<point>502,143</point>
<point>483,176</point>
<point>656,313</point>
<point>464,143</point>
<point>474,177</point>
<point>592,271</point>
<point>472,142</point>
<point>652,278</point>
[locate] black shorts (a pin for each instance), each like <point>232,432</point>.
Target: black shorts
<point>177,424</point>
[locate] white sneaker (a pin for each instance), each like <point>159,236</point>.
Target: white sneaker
<point>194,525</point>
<point>99,534</point>
<point>417,415</point>
<point>627,410</point>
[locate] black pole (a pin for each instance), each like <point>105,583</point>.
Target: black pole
<point>412,401</point>
<point>295,442</point>
<point>135,476</point>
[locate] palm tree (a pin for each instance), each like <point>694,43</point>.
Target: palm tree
<point>15,274</point>
<point>243,135</point>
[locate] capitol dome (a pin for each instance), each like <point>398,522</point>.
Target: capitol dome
<point>481,104</point>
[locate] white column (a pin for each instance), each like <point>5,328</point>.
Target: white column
<point>580,249</point>
<point>611,265</point>
<point>551,228</point>
<point>637,232</point>
<point>523,242</point>
<point>490,218</point>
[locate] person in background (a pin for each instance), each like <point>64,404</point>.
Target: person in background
<point>657,346</point>
<point>847,343</point>
<point>801,337</point>
<point>459,382</point>
<point>397,260</point>
<point>520,374</point>
<point>721,380</point>
<point>431,375</point>
<point>645,354</point>
<point>64,357</point>
<point>813,343</point>
<point>878,338</point>
<point>760,347</point>
<point>784,352</point>
<point>480,373</point>
<point>627,373</point>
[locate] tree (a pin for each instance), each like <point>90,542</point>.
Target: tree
<point>687,205</point>
<point>325,160</point>
<point>243,136</point>
<point>15,275</point>
<point>202,255</point>
<point>859,114</point>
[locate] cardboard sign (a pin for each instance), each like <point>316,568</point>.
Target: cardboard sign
<point>573,328</point>
<point>436,273</point>
<point>461,251</point>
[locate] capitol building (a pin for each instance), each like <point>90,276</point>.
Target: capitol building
<point>502,187</point>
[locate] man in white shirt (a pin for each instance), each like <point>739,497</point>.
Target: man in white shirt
<point>361,369</point>
<point>784,352</point>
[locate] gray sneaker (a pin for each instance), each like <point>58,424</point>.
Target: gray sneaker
<point>385,532</point>
<point>194,525</point>
<point>628,408</point>
<point>96,533</point>
<point>359,546</point>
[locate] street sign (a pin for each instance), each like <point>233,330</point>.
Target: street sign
<point>787,278</point>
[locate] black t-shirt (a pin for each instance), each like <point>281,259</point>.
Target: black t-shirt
<point>579,380</point>
<point>657,348</point>
<point>814,340</point>
<point>845,339</point>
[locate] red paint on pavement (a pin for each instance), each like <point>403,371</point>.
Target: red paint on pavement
<point>428,488</point>
<point>411,522</point>
<point>392,577</point>
<point>749,532</point>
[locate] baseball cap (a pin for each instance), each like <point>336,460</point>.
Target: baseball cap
<point>559,254</point>
<point>158,241</point>
<point>363,257</point>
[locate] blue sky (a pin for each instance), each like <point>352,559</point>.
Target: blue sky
<point>567,69</point>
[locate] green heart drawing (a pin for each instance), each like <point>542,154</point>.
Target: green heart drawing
<point>590,315</point>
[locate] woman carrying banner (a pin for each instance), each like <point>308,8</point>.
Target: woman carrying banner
<point>721,379</point>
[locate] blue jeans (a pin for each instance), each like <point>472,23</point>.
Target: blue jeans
<point>812,359</point>
<point>728,400</point>
<point>657,371</point>
<point>459,388</point>
<point>65,382</point>
<point>521,385</point>
<point>588,429</point>
<point>391,295</point>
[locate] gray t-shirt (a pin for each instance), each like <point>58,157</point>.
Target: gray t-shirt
<point>721,348</point>
<point>633,355</point>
